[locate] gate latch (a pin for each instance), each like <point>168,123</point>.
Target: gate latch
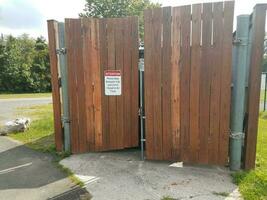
<point>61,51</point>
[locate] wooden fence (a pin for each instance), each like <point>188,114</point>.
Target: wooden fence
<point>257,34</point>
<point>188,82</point>
<point>99,122</point>
<point>188,62</point>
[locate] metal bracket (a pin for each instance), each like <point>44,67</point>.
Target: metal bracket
<point>65,120</point>
<point>240,41</point>
<point>237,135</point>
<point>61,51</point>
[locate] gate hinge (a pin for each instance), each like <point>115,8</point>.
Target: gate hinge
<point>59,82</point>
<point>61,51</point>
<point>240,41</point>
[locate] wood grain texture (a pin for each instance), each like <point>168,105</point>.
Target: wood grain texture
<point>195,82</point>
<point>257,39</point>
<point>53,45</point>
<point>226,73</point>
<point>184,102</point>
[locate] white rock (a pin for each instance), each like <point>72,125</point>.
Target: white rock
<point>17,125</point>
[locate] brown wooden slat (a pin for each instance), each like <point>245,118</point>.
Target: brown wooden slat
<point>226,72</point>
<point>112,99</point>
<point>149,129</point>
<point>134,81</point>
<point>70,45</point>
<point>258,34</point>
<point>216,66</point>
<point>194,82</point>
<point>97,85</point>
<point>87,62</point>
<point>185,81</point>
<point>78,60</point>
<point>52,36</point>
<point>119,66</point>
<point>156,87</point>
<point>166,85</point>
<point>175,83</point>
<point>103,66</point>
<point>127,83</point>
<point>204,98</point>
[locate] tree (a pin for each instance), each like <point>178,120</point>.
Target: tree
<point>118,8</point>
<point>24,64</point>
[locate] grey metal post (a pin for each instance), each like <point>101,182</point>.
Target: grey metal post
<point>141,110</point>
<point>238,95</point>
<point>64,84</point>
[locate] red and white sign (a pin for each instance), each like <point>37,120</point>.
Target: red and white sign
<point>112,82</point>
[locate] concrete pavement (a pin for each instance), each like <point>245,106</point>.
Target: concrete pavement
<point>121,175</point>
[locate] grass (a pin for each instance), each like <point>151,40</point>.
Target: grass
<point>25,95</point>
<point>253,184</point>
<point>40,136</point>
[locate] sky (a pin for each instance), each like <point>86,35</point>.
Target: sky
<point>30,16</point>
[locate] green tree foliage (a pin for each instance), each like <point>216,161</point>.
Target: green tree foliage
<point>118,8</point>
<point>24,65</point>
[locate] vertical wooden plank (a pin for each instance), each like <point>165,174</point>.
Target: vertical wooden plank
<point>96,73</point>
<point>216,59</point>
<point>103,66</point>
<point>87,62</point>
<point>204,98</point>
<point>157,98</point>
<point>195,82</point>
<point>52,36</point>
<point>119,66</point>
<point>80,87</point>
<point>258,34</point>
<point>175,83</point>
<point>185,81</point>
<point>226,82</point>
<point>149,74</point>
<point>134,81</point>
<point>127,82</point>
<point>71,62</point>
<point>166,85</point>
<point>112,99</point>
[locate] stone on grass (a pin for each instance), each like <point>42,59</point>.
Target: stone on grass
<point>17,125</point>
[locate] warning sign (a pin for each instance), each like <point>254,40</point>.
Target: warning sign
<point>112,82</point>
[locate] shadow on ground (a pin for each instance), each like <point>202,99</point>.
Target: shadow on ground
<point>26,171</point>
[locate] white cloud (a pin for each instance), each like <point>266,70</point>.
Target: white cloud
<point>30,16</point>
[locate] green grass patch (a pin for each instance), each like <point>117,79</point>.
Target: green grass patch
<point>40,136</point>
<point>24,95</point>
<point>253,184</point>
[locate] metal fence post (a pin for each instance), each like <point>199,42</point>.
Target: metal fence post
<point>265,91</point>
<point>239,88</point>
<point>64,84</point>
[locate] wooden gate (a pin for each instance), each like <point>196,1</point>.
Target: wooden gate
<point>99,122</point>
<point>188,53</point>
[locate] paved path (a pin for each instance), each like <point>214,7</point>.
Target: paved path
<point>121,175</point>
<point>27,174</point>
<point>8,107</point>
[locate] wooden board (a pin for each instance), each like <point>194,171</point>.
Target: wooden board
<point>257,39</point>
<point>100,122</point>
<point>53,45</point>
<point>187,79</point>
